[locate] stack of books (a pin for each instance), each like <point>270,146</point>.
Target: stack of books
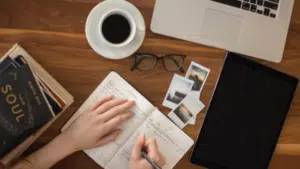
<point>30,100</point>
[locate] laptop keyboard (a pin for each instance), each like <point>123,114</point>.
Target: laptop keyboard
<point>262,7</point>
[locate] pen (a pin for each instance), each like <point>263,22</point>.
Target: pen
<point>154,165</point>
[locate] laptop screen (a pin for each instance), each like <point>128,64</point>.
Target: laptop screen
<point>245,116</point>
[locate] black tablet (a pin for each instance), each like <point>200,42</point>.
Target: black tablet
<point>245,116</point>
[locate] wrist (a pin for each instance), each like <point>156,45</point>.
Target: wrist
<point>65,143</point>
<point>53,152</point>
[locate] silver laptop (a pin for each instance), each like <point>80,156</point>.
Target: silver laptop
<point>255,28</point>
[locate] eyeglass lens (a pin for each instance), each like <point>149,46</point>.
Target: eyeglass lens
<point>145,62</point>
<point>173,62</point>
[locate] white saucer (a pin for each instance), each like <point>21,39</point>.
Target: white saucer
<point>93,35</point>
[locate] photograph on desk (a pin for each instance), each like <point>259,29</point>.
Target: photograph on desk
<point>183,112</point>
<point>180,87</point>
<point>186,110</point>
<point>198,74</point>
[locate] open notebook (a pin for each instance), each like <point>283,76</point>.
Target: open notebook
<point>173,143</point>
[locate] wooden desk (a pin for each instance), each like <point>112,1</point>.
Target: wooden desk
<point>53,33</point>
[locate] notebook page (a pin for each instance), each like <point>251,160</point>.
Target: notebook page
<point>172,142</point>
<point>115,85</point>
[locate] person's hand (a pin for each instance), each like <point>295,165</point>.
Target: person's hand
<point>100,125</point>
<point>137,161</point>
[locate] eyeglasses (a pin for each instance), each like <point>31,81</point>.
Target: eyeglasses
<point>146,62</point>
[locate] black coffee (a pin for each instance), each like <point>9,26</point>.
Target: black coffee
<point>116,28</point>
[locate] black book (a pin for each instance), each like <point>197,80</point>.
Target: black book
<point>20,61</point>
<point>7,64</point>
<point>23,107</point>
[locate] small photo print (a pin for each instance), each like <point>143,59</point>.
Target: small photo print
<point>183,113</point>
<point>198,74</point>
<point>180,87</point>
<point>186,111</point>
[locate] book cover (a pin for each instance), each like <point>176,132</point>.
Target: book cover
<point>54,103</point>
<point>23,108</point>
<point>56,91</point>
<point>7,64</point>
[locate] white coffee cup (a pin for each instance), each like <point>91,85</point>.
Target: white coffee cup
<point>130,20</point>
<point>103,46</point>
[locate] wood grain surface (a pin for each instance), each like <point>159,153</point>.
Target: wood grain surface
<point>52,31</point>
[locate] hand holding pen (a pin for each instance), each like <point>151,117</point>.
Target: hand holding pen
<point>145,155</point>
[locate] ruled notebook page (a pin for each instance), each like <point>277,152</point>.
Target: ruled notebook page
<point>115,85</point>
<point>172,142</point>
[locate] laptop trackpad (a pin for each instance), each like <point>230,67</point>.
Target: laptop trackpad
<point>221,27</point>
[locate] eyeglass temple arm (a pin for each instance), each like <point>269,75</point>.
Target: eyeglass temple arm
<point>133,67</point>
<point>180,66</point>
<point>136,64</point>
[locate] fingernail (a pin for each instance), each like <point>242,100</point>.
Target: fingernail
<point>131,114</point>
<point>131,100</point>
<point>124,100</point>
<point>142,136</point>
<point>119,131</point>
<point>109,96</point>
